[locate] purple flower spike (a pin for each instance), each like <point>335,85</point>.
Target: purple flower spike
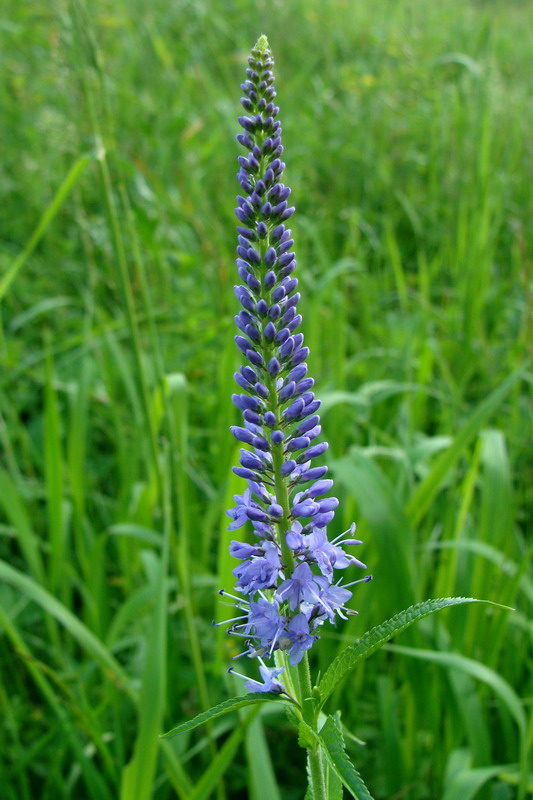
<point>285,575</point>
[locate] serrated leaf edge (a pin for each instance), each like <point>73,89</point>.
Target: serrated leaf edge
<point>373,639</point>
<point>233,704</point>
<point>331,733</point>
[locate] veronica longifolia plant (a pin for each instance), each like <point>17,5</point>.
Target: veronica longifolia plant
<point>287,579</point>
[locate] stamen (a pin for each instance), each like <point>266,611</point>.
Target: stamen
<point>361,580</point>
<point>240,675</point>
<point>224,593</point>
<point>227,621</point>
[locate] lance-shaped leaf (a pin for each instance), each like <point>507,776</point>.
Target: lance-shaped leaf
<point>333,747</point>
<point>224,708</point>
<point>378,636</point>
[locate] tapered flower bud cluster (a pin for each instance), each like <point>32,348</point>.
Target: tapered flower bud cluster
<point>286,576</point>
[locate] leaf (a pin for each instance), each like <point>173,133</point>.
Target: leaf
<point>226,707</point>
<point>53,459</point>
<point>71,730</point>
<point>463,60</point>
<point>376,638</point>
<point>306,735</point>
<point>334,785</point>
<point>139,532</point>
<point>333,747</point>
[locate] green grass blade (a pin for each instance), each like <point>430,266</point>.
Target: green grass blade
<point>495,557</point>
<point>47,217</point>
<point>76,450</point>
<point>138,776</point>
<point>467,783</point>
<point>262,779</point>
<point>392,737</point>
<point>15,511</point>
<point>382,509</point>
<point>85,638</point>
<point>178,777</point>
<point>501,688</point>
<point>477,670</point>
<point>94,780</point>
<point>422,498</point>
<point>54,487</point>
<point>220,762</point>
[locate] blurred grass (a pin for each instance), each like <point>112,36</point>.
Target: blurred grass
<point>407,134</point>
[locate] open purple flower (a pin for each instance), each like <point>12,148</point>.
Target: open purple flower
<point>259,572</point>
<point>270,684</point>
<point>269,676</point>
<point>327,555</point>
<point>299,588</point>
<point>239,513</point>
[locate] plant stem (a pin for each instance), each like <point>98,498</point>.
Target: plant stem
<point>316,766</point>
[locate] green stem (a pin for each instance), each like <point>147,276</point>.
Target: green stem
<point>316,766</point>
<point>317,776</point>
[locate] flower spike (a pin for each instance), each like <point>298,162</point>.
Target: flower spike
<point>286,576</point>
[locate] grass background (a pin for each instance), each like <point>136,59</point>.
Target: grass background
<point>407,141</point>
